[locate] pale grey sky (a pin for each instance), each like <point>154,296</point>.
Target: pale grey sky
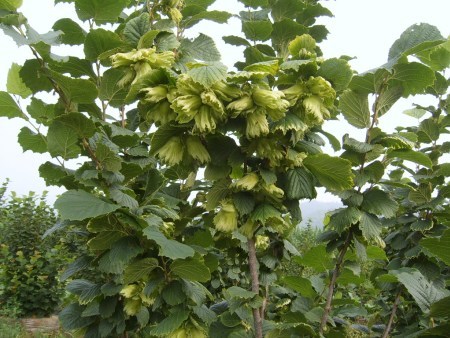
<point>364,29</point>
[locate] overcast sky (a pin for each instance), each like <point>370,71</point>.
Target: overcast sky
<point>364,29</point>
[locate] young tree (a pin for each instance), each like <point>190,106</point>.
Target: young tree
<point>193,173</point>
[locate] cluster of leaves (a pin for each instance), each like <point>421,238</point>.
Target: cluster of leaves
<point>29,265</point>
<point>192,175</point>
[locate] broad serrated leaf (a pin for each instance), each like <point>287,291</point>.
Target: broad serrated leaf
<point>217,193</point>
<point>124,199</point>
<point>238,292</point>
<point>107,158</point>
<point>168,247</point>
<point>370,226</point>
<point>415,112</point>
<point>110,89</point>
<point>415,77</point>
<point>216,16</point>
<point>74,90</point>
<point>78,265</point>
<point>8,107</point>
<point>136,28</point>
<point>344,218</point>
<point>73,34</point>
<point>208,74</point>
<point>62,141</point>
<point>191,269</point>
<point>99,41</point>
<point>316,258</point>
<point>259,30</point>
<point>332,172</point>
<point>355,108</point>
<point>80,124</point>
<point>387,98</point>
<point>428,131</point>
<point>438,246</point>
<point>202,48</point>
<point>139,270</point>
<point>71,318</point>
<point>236,41</point>
<point>15,84</point>
<point>102,11</point>
<point>79,205</point>
<point>441,308</point>
<point>299,183</point>
<point>244,203</point>
<point>301,285</point>
<point>379,202</point>
<point>263,212</point>
<point>337,71</point>
<point>84,289</point>
<point>355,145</point>
<point>424,292</point>
<point>411,155</point>
<point>32,141</point>
<point>412,37</point>
<point>170,323</point>
<point>75,67</point>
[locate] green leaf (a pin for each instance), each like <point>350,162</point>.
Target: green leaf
<point>289,122</point>
<point>139,270</point>
<point>102,11</point>
<point>357,146</point>
<point>370,226</point>
<point>108,158</point>
<point>411,155</point>
<point>316,258</point>
<point>423,291</point>
<point>255,3</point>
<point>216,16</point>
<point>441,308</point>
<point>15,84</point>
<point>32,141</point>
<point>99,41</point>
<point>332,172</point>
<point>71,318</point>
<point>73,34</point>
<point>170,323</point>
<point>62,141</point>
<point>75,67</point>
<point>136,28</point>
<point>301,285</point>
<point>387,98</point>
<point>263,212</point>
<point>110,89</point>
<point>244,203</point>
<point>299,184</point>
<point>259,30</point>
<point>84,127</point>
<point>238,292</point>
<point>78,205</point>
<point>208,74</point>
<point>8,107</point>
<point>84,289</point>
<point>344,218</point>
<point>32,76</point>
<point>168,247</point>
<point>191,269</point>
<point>217,193</point>
<point>415,77</point>
<point>379,202</point>
<point>428,131</point>
<point>74,90</point>
<point>147,40</point>
<point>236,41</point>
<point>415,112</point>
<point>124,199</point>
<point>375,252</point>
<point>438,246</point>
<point>10,5</point>
<point>412,37</point>
<point>355,108</point>
<point>337,71</point>
<point>201,48</point>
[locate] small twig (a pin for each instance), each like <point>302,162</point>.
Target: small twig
<point>334,277</point>
<point>391,318</point>
<point>254,275</point>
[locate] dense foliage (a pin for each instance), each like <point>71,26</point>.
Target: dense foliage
<point>29,264</point>
<point>192,174</point>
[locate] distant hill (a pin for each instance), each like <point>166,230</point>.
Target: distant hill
<point>315,211</point>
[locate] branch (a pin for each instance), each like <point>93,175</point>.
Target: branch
<point>254,275</point>
<point>391,318</point>
<point>334,277</point>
